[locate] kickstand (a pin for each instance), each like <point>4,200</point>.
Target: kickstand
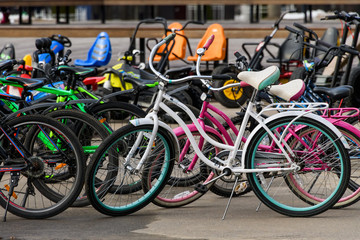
<point>13,183</point>
<point>266,190</point>
<point>232,193</point>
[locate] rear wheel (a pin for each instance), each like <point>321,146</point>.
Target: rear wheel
<point>90,132</point>
<point>323,167</point>
<point>352,193</point>
<point>57,174</point>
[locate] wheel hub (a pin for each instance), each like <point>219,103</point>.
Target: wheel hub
<point>36,167</point>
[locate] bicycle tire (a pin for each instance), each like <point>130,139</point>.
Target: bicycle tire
<point>107,164</point>
<point>30,202</point>
<point>180,188</point>
<point>269,187</point>
<point>115,115</point>
<point>90,133</point>
<point>352,193</point>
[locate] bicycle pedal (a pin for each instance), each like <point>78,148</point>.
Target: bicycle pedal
<point>241,187</point>
<point>201,188</point>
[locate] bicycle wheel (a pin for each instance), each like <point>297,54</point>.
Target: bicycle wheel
<point>180,188</point>
<point>90,132</point>
<point>323,173</point>
<point>352,193</point>
<point>55,151</point>
<point>109,167</point>
<point>115,115</point>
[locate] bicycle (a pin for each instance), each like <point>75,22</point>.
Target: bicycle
<point>342,118</point>
<point>181,188</point>
<point>41,166</point>
<point>146,149</point>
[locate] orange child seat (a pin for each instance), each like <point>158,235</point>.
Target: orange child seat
<point>179,49</point>
<point>217,50</point>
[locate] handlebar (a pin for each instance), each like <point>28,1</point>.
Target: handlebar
<point>209,41</point>
<point>349,49</point>
<point>305,29</point>
<point>323,43</point>
<point>191,22</point>
<point>192,77</point>
<point>162,77</point>
<point>343,16</point>
<point>276,24</point>
<point>168,38</point>
<point>292,30</point>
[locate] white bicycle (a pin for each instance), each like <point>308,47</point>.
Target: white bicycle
<point>295,161</point>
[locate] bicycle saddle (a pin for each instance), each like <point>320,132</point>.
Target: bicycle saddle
<point>79,71</point>
<point>290,91</point>
<point>6,65</point>
<point>335,93</point>
<point>141,83</point>
<point>27,83</point>
<point>260,79</point>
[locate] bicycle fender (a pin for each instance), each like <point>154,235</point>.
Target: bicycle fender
<point>146,121</point>
<point>179,131</point>
<point>345,125</point>
<point>296,114</point>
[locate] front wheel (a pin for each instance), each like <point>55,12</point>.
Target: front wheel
<point>323,162</point>
<point>113,165</point>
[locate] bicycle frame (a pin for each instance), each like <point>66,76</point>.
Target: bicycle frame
<point>280,143</point>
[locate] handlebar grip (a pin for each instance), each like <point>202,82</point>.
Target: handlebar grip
<point>209,41</point>
<point>302,27</point>
<point>169,37</point>
<point>221,77</point>
<point>325,44</point>
<point>349,50</point>
<point>290,29</point>
<point>331,17</point>
<point>237,54</point>
<point>20,62</point>
<point>68,52</point>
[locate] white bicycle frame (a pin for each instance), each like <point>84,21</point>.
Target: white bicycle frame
<point>290,109</point>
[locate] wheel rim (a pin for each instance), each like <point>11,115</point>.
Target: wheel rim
<point>233,93</point>
<point>316,201</point>
<point>137,201</point>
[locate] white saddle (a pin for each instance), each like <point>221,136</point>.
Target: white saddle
<point>290,91</point>
<point>262,79</point>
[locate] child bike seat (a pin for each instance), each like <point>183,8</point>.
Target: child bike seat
<point>290,91</point>
<point>99,54</point>
<point>336,93</point>
<point>179,49</point>
<point>262,79</point>
<point>217,50</point>
<point>289,50</point>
